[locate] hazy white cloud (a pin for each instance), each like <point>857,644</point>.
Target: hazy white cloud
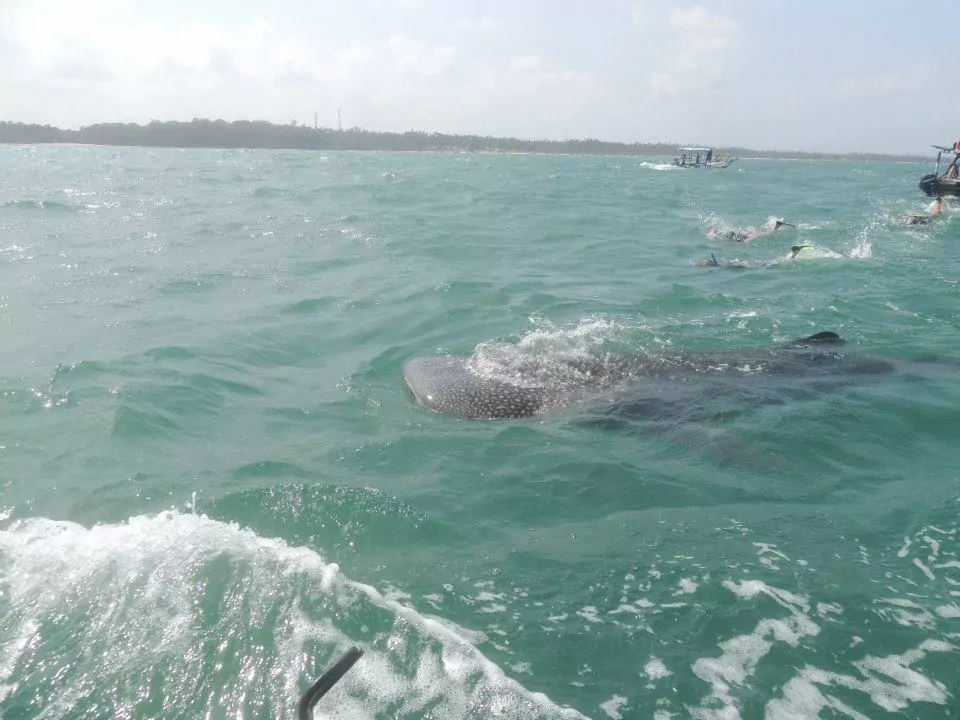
<point>486,24</point>
<point>700,38</point>
<point>96,41</point>
<point>411,5</point>
<point>703,34</point>
<point>640,15</point>
<point>533,74</point>
<point>109,65</point>
<point>410,56</point>
<point>526,62</point>
<point>905,81</point>
<point>535,68</point>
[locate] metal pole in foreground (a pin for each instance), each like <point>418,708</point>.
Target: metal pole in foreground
<point>326,681</point>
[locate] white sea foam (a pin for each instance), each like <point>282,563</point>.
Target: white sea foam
<point>890,682</point>
<point>149,595</point>
<point>141,584</point>
<point>547,355</point>
<point>741,655</point>
<point>948,611</point>
<point>659,166</point>
<point>926,571</point>
<point>655,669</point>
<point>589,614</point>
<point>802,700</point>
<point>614,706</point>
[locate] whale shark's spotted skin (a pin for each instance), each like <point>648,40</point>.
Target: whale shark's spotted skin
<point>450,386</point>
<point>446,385</point>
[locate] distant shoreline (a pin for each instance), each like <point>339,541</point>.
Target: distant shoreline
<point>261,135</point>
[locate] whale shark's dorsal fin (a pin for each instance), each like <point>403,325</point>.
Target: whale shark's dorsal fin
<point>828,337</point>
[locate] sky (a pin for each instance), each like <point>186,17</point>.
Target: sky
<point>816,75</point>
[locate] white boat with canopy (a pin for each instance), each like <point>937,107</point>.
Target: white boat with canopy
<point>701,157</point>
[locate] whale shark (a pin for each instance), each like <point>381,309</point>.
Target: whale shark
<point>660,385</point>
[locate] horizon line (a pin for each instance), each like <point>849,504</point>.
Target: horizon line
<point>503,138</point>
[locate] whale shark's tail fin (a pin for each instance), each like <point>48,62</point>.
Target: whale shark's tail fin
<point>826,337</point>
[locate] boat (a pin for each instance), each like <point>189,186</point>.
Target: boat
<point>936,184</point>
<point>701,157</point>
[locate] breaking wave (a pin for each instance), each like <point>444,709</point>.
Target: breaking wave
<point>180,612</point>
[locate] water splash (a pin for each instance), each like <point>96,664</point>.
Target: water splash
<point>181,611</point>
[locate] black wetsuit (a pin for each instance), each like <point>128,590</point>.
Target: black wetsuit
<point>734,264</point>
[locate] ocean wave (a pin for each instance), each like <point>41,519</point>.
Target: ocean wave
<point>887,645</point>
<point>659,166</point>
<point>48,205</point>
<point>179,611</point>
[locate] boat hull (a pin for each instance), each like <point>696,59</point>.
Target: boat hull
<point>933,186</point>
<point>705,166</point>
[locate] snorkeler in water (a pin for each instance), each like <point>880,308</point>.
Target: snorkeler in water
<point>936,208</point>
<point>748,234</point>
<point>796,251</point>
<point>712,261</point>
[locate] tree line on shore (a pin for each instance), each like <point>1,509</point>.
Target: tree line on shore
<point>201,133</point>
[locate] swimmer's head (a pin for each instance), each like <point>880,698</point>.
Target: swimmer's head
<point>778,224</point>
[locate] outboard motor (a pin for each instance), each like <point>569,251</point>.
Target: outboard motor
<point>927,183</point>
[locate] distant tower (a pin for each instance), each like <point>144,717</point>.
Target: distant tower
<point>339,124</point>
<point>315,121</point>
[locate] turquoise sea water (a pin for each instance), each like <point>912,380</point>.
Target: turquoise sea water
<point>214,479</point>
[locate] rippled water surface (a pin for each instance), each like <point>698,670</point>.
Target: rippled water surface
<point>214,479</point>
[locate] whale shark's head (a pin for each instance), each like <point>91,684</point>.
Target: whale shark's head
<point>447,385</point>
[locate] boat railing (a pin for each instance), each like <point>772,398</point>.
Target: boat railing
<point>941,151</point>
<point>326,681</point>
